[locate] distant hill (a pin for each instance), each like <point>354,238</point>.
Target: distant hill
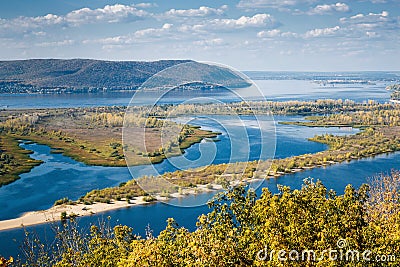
<point>86,75</point>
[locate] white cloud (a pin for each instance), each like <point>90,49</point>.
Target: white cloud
<point>253,4</point>
<point>275,33</point>
<point>202,11</point>
<point>140,36</point>
<point>244,22</point>
<point>190,32</point>
<point>372,21</point>
<point>326,9</point>
<point>39,33</point>
<point>210,42</point>
<point>146,5</point>
<point>24,24</point>
<point>322,32</point>
<point>372,34</point>
<point>154,32</point>
<point>371,17</point>
<point>206,31</point>
<point>56,44</point>
<point>258,20</point>
<point>269,34</point>
<point>110,14</point>
<point>107,14</point>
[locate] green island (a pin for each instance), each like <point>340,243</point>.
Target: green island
<point>14,160</point>
<point>89,135</point>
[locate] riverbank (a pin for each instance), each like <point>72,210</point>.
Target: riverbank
<point>55,213</point>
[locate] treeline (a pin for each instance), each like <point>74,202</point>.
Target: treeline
<point>341,148</point>
<point>356,119</point>
<point>311,226</point>
<point>395,88</point>
<point>295,107</point>
<point>222,175</point>
<point>125,191</point>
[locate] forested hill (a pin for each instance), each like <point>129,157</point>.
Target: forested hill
<point>76,74</point>
<point>83,75</point>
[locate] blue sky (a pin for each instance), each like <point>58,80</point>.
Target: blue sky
<point>302,35</point>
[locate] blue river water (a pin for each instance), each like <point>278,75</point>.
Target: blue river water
<point>277,90</point>
<point>60,176</point>
<point>155,215</point>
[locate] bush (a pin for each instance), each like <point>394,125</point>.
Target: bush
<point>63,215</point>
<point>64,200</point>
<point>148,198</point>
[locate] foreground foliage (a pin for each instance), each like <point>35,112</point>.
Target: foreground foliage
<point>241,228</point>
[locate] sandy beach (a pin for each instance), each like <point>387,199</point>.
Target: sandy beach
<point>54,213</point>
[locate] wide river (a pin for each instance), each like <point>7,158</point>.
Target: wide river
<point>60,176</point>
<point>277,90</point>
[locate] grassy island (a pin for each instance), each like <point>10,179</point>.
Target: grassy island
<point>89,135</point>
<point>14,160</point>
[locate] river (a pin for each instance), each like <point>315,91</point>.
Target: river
<point>61,176</point>
<point>277,90</point>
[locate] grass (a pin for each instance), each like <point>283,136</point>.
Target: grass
<point>14,160</point>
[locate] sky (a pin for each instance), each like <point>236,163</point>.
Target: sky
<point>274,35</point>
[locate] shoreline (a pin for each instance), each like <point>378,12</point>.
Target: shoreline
<point>53,214</point>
